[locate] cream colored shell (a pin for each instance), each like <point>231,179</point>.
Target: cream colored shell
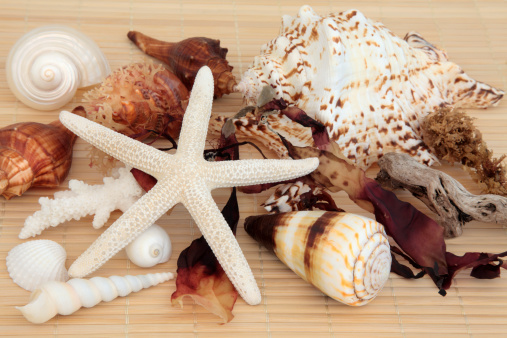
<point>150,248</point>
<point>345,256</point>
<point>47,65</point>
<point>34,263</point>
<point>66,298</point>
<point>369,87</point>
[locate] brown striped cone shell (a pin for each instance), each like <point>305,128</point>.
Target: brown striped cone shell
<point>345,256</point>
<point>367,86</point>
<point>34,155</point>
<point>186,57</point>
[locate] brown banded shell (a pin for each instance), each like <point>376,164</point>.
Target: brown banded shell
<point>186,57</point>
<point>345,256</point>
<point>34,155</point>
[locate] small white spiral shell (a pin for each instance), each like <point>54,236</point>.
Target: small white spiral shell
<point>47,65</point>
<point>66,298</point>
<point>34,263</point>
<point>150,248</point>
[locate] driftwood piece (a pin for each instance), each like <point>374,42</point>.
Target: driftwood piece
<point>441,193</point>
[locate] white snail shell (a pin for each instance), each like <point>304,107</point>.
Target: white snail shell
<point>150,248</point>
<point>47,65</point>
<point>34,263</point>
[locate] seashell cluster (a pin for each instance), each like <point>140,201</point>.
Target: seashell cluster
<point>82,200</point>
<point>66,298</point>
<point>34,155</point>
<point>186,57</point>
<point>47,65</point>
<point>34,263</point>
<point>151,247</point>
<point>345,256</point>
<point>367,86</point>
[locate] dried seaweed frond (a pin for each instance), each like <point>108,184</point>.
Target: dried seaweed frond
<point>453,137</point>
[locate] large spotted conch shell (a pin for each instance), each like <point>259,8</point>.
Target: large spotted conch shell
<point>370,88</point>
<point>186,57</point>
<point>345,256</point>
<point>47,65</point>
<point>55,298</point>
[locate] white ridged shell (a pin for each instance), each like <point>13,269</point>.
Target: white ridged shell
<point>47,65</point>
<point>55,298</point>
<point>34,263</point>
<point>150,248</point>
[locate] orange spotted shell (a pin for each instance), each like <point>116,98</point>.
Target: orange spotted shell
<point>186,57</point>
<point>34,155</point>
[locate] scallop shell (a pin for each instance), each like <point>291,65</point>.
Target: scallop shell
<point>47,65</point>
<point>150,248</point>
<point>367,86</point>
<point>34,263</point>
<point>345,256</point>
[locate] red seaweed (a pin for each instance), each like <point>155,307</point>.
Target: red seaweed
<point>202,278</point>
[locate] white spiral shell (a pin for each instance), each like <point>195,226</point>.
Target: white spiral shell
<point>150,248</point>
<point>66,298</point>
<point>47,65</point>
<point>34,263</point>
<point>345,256</point>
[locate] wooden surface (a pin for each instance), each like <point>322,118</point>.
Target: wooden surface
<point>474,33</point>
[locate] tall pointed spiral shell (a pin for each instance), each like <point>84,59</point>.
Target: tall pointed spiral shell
<point>47,65</point>
<point>66,298</point>
<point>35,263</point>
<point>345,256</point>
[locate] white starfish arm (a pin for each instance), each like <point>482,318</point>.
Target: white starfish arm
<point>129,151</point>
<point>221,240</point>
<point>196,119</point>
<point>138,218</point>
<point>247,172</point>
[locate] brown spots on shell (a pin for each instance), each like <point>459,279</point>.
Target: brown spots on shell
<point>351,15</point>
<point>371,108</point>
<point>323,107</point>
<point>336,39</point>
<point>339,103</point>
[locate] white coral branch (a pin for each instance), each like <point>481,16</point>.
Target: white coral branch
<point>82,200</point>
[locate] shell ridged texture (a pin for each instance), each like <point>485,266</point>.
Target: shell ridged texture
<point>34,154</point>
<point>66,298</point>
<point>346,256</point>
<point>186,57</point>
<point>139,97</point>
<point>369,87</point>
<point>34,263</point>
<point>47,65</point>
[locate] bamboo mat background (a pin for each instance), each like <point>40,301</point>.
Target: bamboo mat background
<point>474,33</point>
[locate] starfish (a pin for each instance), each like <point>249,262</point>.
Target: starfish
<point>184,177</point>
